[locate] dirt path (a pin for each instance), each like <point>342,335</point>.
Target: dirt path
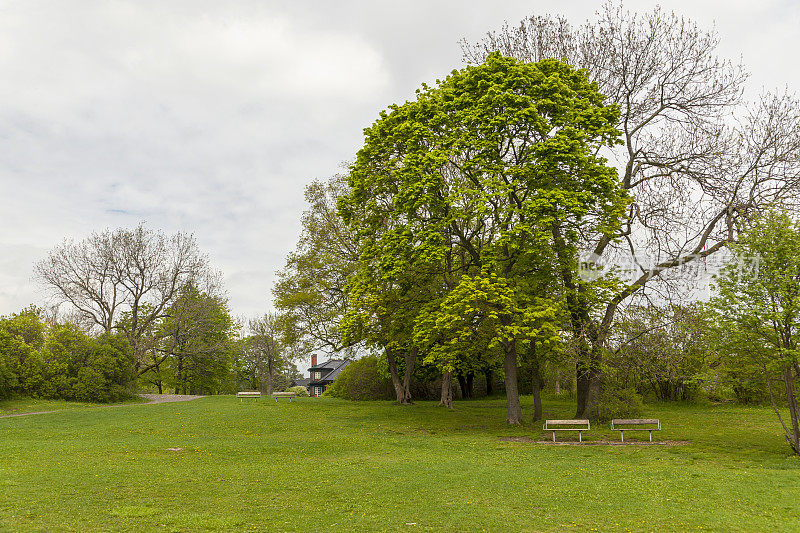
<point>151,399</point>
<point>164,398</point>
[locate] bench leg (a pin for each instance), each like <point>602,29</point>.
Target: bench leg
<point>622,436</point>
<point>554,436</point>
<point>580,436</point>
<point>651,436</point>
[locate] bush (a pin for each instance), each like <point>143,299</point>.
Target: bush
<point>299,390</point>
<point>362,380</point>
<point>73,366</point>
<point>9,365</point>
<point>62,361</point>
<point>618,402</point>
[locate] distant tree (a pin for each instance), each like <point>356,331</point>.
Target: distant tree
<point>663,348</point>
<point>196,340</point>
<point>310,290</point>
<point>759,312</point>
<point>138,273</point>
<point>265,353</point>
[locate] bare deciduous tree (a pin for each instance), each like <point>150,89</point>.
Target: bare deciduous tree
<point>695,157</point>
<point>265,351</point>
<point>123,280</point>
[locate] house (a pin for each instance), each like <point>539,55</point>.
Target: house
<point>323,374</point>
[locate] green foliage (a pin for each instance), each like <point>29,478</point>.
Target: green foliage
<point>361,380</point>
<point>482,313</point>
<point>616,402</point>
<point>299,390</point>
<point>197,343</point>
<point>758,312</point>
<point>309,291</point>
<point>62,362</point>
<point>73,366</point>
<point>456,198</point>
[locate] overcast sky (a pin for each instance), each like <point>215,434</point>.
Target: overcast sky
<point>211,117</point>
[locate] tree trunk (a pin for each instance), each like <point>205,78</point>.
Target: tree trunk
<point>512,390</point>
<point>537,381</point>
<point>447,390</point>
<point>557,383</point>
<point>791,400</point>
<point>462,384</point>
<point>489,382</point>
<point>537,399</point>
<point>581,387</point>
<point>588,383</point>
<point>179,375</point>
<point>401,388</point>
<point>160,390</point>
<point>411,361</point>
<point>470,385</point>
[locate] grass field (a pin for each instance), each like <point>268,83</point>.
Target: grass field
<point>216,464</point>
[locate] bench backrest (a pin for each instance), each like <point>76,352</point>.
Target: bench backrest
<point>635,422</point>
<point>248,393</point>
<point>550,423</point>
<point>283,394</point>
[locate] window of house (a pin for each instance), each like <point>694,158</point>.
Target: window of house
<point>317,391</point>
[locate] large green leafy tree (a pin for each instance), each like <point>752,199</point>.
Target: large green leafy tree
<point>483,176</point>
<point>760,310</point>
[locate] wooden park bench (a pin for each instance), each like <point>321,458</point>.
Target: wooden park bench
<point>567,425</point>
<point>635,424</point>
<point>289,395</point>
<point>248,394</point>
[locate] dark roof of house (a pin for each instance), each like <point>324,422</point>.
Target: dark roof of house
<point>330,364</point>
<point>336,371</point>
<point>334,365</point>
<point>301,382</point>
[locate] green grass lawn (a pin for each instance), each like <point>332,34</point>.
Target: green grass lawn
<point>31,405</point>
<point>35,405</point>
<point>323,464</point>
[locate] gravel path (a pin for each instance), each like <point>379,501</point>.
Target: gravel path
<point>151,399</point>
<point>164,398</point>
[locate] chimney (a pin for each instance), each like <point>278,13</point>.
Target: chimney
<point>314,360</point>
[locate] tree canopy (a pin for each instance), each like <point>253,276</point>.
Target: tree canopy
<point>463,195</point>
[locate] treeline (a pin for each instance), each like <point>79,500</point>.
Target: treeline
<point>42,358</point>
<point>477,230</point>
<point>137,310</point>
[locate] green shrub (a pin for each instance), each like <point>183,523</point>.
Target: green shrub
<point>73,366</point>
<point>299,390</point>
<point>62,361</point>
<point>9,364</point>
<point>362,380</point>
<point>618,402</point>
